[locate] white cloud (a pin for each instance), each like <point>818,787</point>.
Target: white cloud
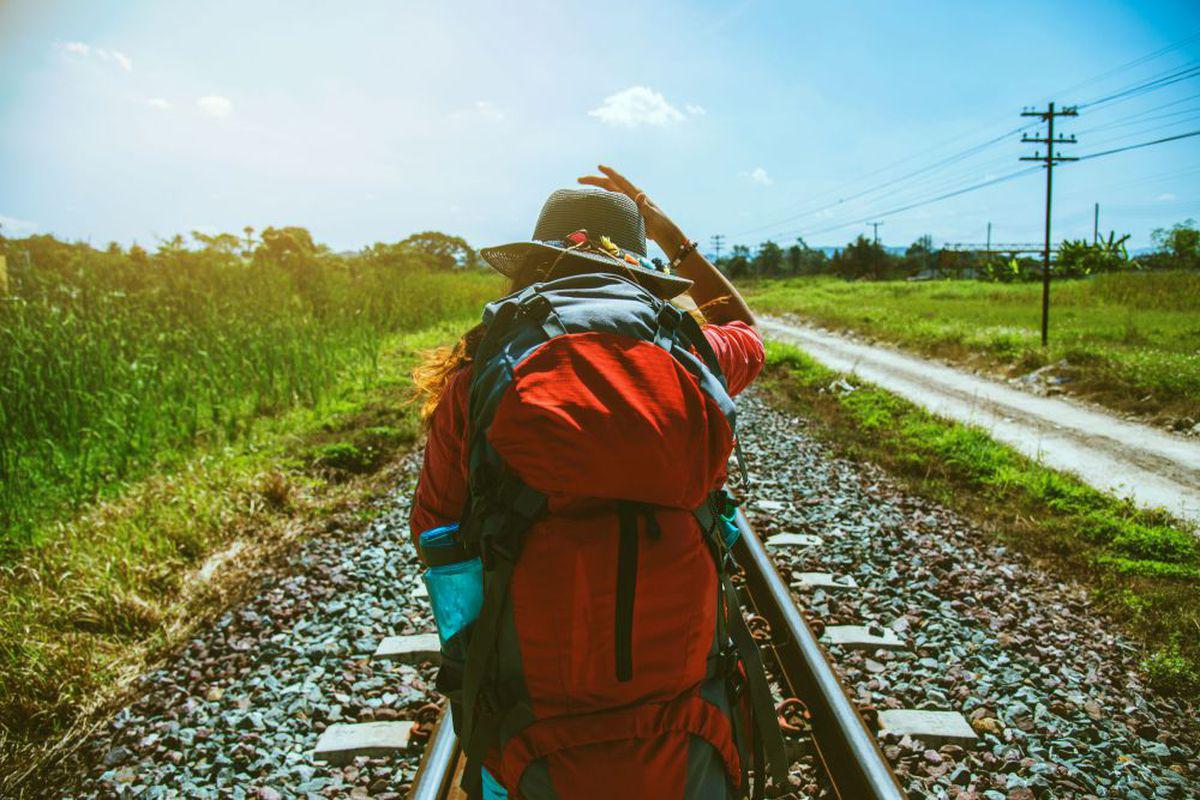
<point>635,106</point>
<point>11,225</point>
<point>695,110</point>
<point>122,59</point>
<point>758,175</point>
<point>85,50</point>
<point>488,110</point>
<point>159,103</point>
<point>215,105</point>
<point>1165,197</point>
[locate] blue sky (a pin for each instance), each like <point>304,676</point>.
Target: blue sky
<point>365,121</point>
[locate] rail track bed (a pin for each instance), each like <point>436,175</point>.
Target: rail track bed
<point>1053,697</point>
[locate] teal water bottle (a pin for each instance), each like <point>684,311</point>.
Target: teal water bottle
<point>454,580</point>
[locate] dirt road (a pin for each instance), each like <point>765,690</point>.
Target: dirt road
<point>1151,467</point>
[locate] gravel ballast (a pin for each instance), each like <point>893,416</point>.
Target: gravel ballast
<point>1056,697</point>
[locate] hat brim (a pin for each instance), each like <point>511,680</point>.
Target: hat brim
<point>508,259</point>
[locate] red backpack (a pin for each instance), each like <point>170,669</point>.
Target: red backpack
<point>610,657</point>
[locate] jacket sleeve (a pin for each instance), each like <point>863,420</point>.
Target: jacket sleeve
<point>441,493</point>
<point>739,351</point>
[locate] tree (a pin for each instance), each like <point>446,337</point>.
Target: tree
<point>289,247</point>
<point>225,244</point>
<point>1079,258</point>
<point>919,255</point>
<point>441,251</point>
<point>737,264</point>
<point>1178,247</point>
<point>860,258</point>
<point>803,260</point>
<point>768,260</point>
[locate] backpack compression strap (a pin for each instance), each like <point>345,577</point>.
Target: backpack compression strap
<point>499,531</point>
<point>768,743</point>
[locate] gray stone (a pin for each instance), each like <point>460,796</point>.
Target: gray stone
<point>410,649</point>
<point>863,637</point>
<point>341,744</point>
<point>793,540</point>
<point>824,580</point>
<point>934,728</point>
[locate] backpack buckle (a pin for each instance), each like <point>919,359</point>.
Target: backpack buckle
<point>535,307</point>
<point>493,542</point>
<point>734,679</point>
<point>669,319</point>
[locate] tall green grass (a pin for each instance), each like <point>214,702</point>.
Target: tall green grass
<point>1131,340</point>
<point>113,364</point>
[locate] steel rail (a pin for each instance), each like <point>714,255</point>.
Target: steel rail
<point>435,776</point>
<point>847,748</point>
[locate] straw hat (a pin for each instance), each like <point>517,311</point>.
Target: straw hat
<point>590,228</point>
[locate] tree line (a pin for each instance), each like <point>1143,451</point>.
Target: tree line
<point>1175,248</point>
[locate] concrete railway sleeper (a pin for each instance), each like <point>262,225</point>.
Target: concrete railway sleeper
<point>815,710</point>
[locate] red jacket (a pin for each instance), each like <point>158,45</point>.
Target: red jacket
<point>442,490</point>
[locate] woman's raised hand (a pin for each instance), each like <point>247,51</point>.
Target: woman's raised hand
<point>659,227</point>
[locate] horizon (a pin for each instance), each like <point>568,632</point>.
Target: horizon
<point>132,122</point>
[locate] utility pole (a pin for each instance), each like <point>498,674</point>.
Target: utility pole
<point>1096,226</point>
<point>1050,159</point>
<point>876,225</point>
<point>717,240</point>
<point>989,242</point>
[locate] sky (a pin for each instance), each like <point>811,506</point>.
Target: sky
<point>366,121</point>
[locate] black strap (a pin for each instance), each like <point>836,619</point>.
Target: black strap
<point>768,741</point>
<point>697,339</point>
<point>691,329</point>
<point>761,703</point>
<point>510,510</point>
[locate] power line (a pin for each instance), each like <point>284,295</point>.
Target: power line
<point>918,204</point>
<point>1168,78</point>
<point>1139,145</point>
<point>1140,117</point>
<point>1137,62</point>
<point>945,162</point>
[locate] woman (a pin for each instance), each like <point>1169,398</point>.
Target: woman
<point>603,663</point>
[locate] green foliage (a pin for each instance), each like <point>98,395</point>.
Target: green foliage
<point>1079,258</point>
<point>127,580</point>
<point>113,363</point>
<point>1178,246</point>
<point>1149,561</point>
<point>1170,672</point>
<point>860,259</point>
<point>1131,338</point>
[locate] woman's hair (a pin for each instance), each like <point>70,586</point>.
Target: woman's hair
<point>438,367</point>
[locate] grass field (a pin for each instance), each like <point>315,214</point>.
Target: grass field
<point>1142,567</point>
<point>113,366</point>
<point>1131,341</point>
<point>166,430</point>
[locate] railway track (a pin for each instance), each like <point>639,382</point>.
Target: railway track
<point>1049,692</point>
<point>815,709</point>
